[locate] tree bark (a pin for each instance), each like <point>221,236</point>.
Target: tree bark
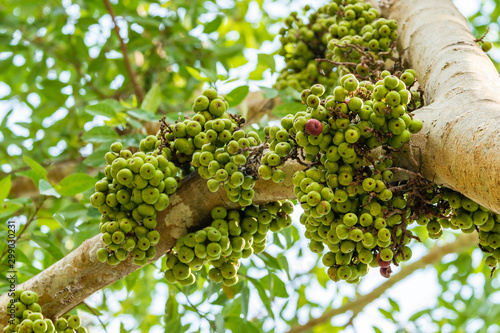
<point>78,275</point>
<point>459,148</point>
<point>459,145</point>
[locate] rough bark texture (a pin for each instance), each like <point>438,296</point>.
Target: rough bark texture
<point>69,281</point>
<point>460,141</point>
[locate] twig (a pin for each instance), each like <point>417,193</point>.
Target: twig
<point>405,171</point>
<point>95,314</point>
<point>137,88</point>
<point>351,321</point>
<point>204,316</point>
<point>40,204</point>
<point>192,305</point>
<point>480,39</point>
<point>337,63</point>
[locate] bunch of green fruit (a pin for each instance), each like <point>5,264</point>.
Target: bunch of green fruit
<point>350,204</point>
<point>348,36</point>
<point>213,143</point>
<point>29,318</point>
<point>135,187</point>
<point>232,235</point>
<point>467,216</point>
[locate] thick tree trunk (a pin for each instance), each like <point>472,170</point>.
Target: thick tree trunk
<point>460,143</point>
<point>459,148</point>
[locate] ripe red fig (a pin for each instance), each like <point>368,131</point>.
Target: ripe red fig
<point>386,272</point>
<point>382,263</point>
<point>314,127</point>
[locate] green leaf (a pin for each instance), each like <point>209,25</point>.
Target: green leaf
<point>237,95</point>
<point>142,115</point>
<point>47,189</point>
<point>270,261</point>
<point>96,159</point>
<point>219,323</point>
<point>174,325</point>
<point>287,233</point>
<point>268,60</point>
<point>28,270</point>
<point>284,263</point>
<point>171,309</point>
<point>196,74</point>
<point>152,99</point>
<point>239,325</point>
<point>268,93</point>
<point>74,184</point>
<point>418,314</point>
<point>134,123</point>
<point>31,175</point>
<point>44,242</point>
<point>213,25</point>
<point>100,134</point>
<point>59,218</point>
<point>210,74</point>
<point>247,327</point>
<point>21,257</point>
<point>288,108</point>
<point>36,167</point>
<point>279,288</point>
<point>277,240</point>
<point>394,305</point>
<point>257,72</point>
<point>101,109</point>
<point>263,296</point>
<point>8,208</point>
<point>5,186</point>
<point>289,94</point>
<point>245,300</point>
<point>92,310</point>
<point>387,314</point>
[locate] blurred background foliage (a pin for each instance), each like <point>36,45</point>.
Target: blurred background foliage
<point>67,92</point>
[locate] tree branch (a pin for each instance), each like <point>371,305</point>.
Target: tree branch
<point>139,92</point>
<point>79,274</point>
<point>459,141</point>
<point>255,107</point>
<point>24,186</point>
<point>91,309</point>
<point>462,243</point>
<point>461,84</point>
<point>459,148</point>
